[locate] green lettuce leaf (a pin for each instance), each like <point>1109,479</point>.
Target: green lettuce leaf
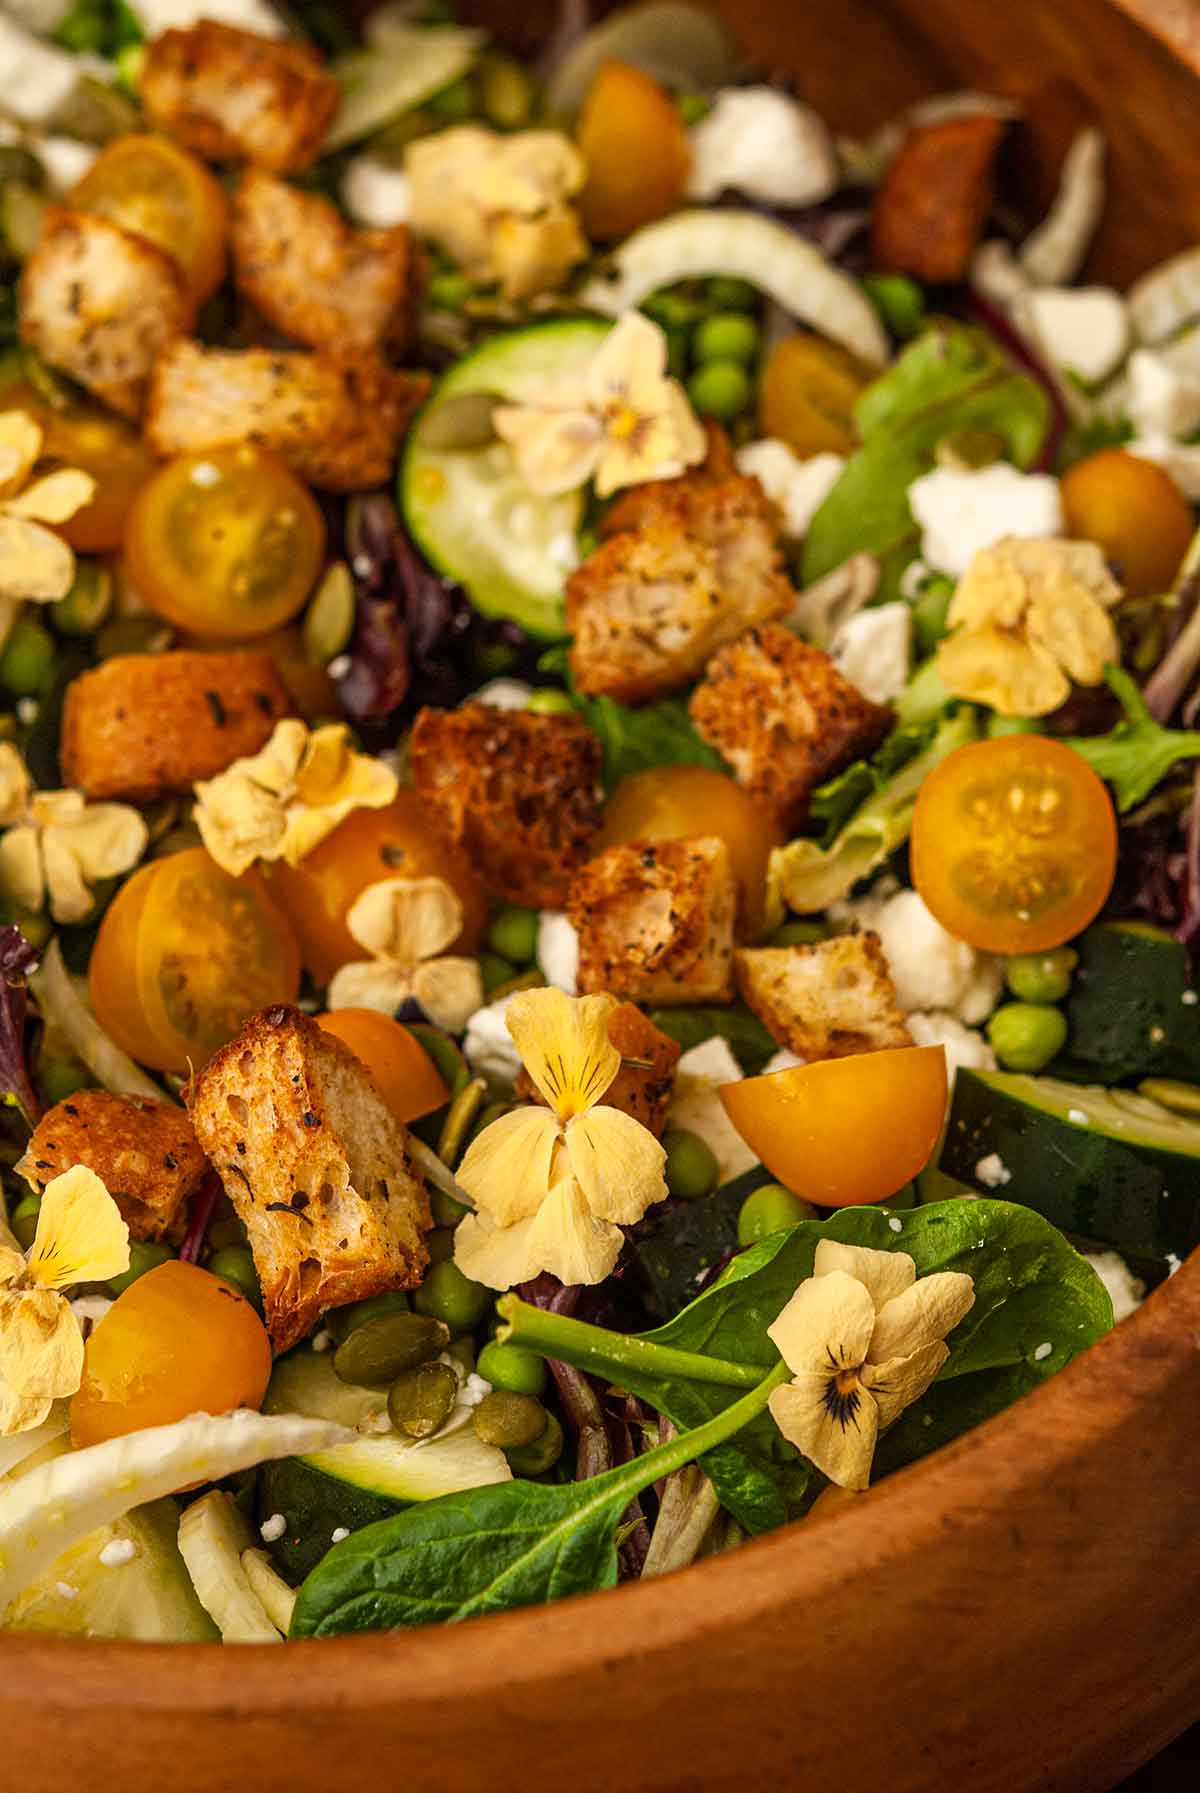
<point>834,803</point>
<point>658,734</point>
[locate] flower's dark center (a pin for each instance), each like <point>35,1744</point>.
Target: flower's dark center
<point>843,1398</point>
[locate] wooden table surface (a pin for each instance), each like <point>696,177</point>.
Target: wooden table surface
<point>1177,1770</point>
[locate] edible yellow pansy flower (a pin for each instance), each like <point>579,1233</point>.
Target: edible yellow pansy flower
<point>554,1186</point>
<point>863,1340</point>
<point>35,563</point>
<point>283,801</point>
<point>57,844</point>
<point>620,420</point>
<point>1027,617</point>
<point>80,1238</point>
<point>406,924</point>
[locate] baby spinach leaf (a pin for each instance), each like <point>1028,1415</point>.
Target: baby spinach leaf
<point>674,1251</point>
<point>951,378</point>
<point>657,734</point>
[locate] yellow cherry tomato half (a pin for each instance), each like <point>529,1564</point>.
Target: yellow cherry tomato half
<point>151,187</point>
<point>98,442</point>
<point>405,1075</point>
<point>1136,513</point>
<point>808,393</point>
<point>845,1132</point>
<point>1014,844</point>
<point>226,544</point>
<point>672,802</point>
<point>178,1341</point>
<point>184,955</point>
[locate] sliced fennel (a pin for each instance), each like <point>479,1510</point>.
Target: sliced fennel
<point>797,276</point>
<point>685,46</point>
<point>212,1537</point>
<point>22,1445</point>
<point>63,1008</point>
<point>277,1597</point>
<point>1166,298</point>
<point>1053,254</point>
<point>406,65</point>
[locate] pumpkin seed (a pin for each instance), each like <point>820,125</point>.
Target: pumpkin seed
<point>1183,1098</point>
<point>541,1455</point>
<point>510,1420</point>
<point>462,422</point>
<point>88,602</point>
<point>460,1119</point>
<point>505,90</point>
<point>329,619</point>
<point>420,1401</point>
<point>379,1350</point>
<point>22,208</point>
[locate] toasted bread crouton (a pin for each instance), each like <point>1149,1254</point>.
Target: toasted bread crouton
<point>317,1168</point>
<point>101,303</point>
<point>336,423</point>
<point>933,201</point>
<point>141,726</point>
<point>784,718</point>
<point>645,1083</point>
<point>828,1000</point>
<point>655,921</point>
<point>145,1153</point>
<point>315,277</point>
<point>519,793</point>
<point>232,96</point>
<point>641,504</point>
<point>650,605</point>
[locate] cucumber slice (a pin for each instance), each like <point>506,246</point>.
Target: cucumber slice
<point>1128,1008</point>
<point>692,245</point>
<point>470,512</point>
<point>1104,1164</point>
<point>404,67</point>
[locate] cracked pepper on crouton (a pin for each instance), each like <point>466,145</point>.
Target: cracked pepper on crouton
<point>146,1154</point>
<point>315,277</point>
<point>101,304</point>
<point>337,423</point>
<point>784,718</point>
<point>644,1085</point>
<point>142,726</point>
<point>655,921</point>
<point>519,793</point>
<point>828,1000</point>
<point>316,1166</point>
<point>232,96</point>
<point>648,607</point>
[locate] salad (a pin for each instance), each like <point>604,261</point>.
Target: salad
<point>599,824</point>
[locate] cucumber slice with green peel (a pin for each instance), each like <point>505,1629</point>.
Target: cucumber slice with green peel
<point>468,509</point>
<point>697,244</point>
<point>1131,1010</point>
<point>315,1506</point>
<point>1104,1164</point>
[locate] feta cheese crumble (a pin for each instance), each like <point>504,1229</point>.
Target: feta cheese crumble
<point>272,1529</point>
<point>117,1552</point>
<point>1082,329</point>
<point>992,1171</point>
<point>558,950</point>
<point>490,1049</point>
<point>1125,1290</point>
<point>1043,1352</point>
<point>930,968</point>
<point>962,512</point>
<point>376,193</point>
<point>323,1340</point>
<point>896,1224</point>
<point>797,488</point>
<point>1077,1117</point>
<point>696,1105</point>
<point>966,1049</point>
<point>764,144</point>
<point>873,650</point>
<point>338,1533</point>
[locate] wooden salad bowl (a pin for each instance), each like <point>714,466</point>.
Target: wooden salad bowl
<point>1019,1611</point>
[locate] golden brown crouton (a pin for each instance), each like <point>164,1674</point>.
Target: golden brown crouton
<point>232,96</point>
<point>145,1153</point>
<point>336,423</point>
<point>313,276</point>
<point>101,303</point>
<point>317,1168</point>
<point>644,1085</point>
<point>655,921</point>
<point>637,505</point>
<point>932,203</point>
<point>650,605</point>
<point>141,726</point>
<point>519,793</point>
<point>828,1000</point>
<point>784,717</point>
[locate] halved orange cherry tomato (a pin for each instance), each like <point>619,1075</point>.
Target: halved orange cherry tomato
<point>636,149</point>
<point>184,954</point>
<point>845,1131</point>
<point>178,1341</point>
<point>1136,513</point>
<point>150,186</point>
<point>1014,844</point>
<point>100,443</point>
<point>404,1073</point>
<point>225,544</point>
<point>671,802</point>
<point>396,842</point>
<point>808,393</point>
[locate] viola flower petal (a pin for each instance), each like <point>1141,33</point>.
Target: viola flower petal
<point>450,991</point>
<point>826,1326</point>
<point>1012,675</point>
<point>55,498</point>
<point>12,1262</point>
<point>835,1429</point>
<point>556,451</point>
<point>507,1169</point>
<point>564,1045</point>
<point>900,1381</point>
<point>80,1236</point>
<point>21,441</point>
<point>41,1346</point>
<point>884,1274</point>
<point>499,1257</point>
<point>34,562</point>
<point>368,984</point>
<point>567,1240</point>
<point>921,1315</point>
<point>105,840</point>
<point>406,920</point>
<point>15,786</point>
<point>21,1413</point>
<point>617,1163</point>
<point>22,878</point>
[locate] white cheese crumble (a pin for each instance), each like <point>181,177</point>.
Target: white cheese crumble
<point>765,145</point>
<point>1043,1352</point>
<point>490,1049</point>
<point>376,193</point>
<point>272,1529</point>
<point>1161,399</point>
<point>992,1171</point>
<point>873,650</point>
<point>1083,329</point>
<point>930,968</point>
<point>66,1590</point>
<point>558,950</point>
<point>896,1224</point>
<point>962,512</point>
<point>117,1552</point>
<point>1190,998</point>
<point>338,1533</point>
<point>504,694</point>
<point>966,1049</point>
<point>157,16</point>
<point>1077,1117</point>
<point>1125,1289</point>
<point>696,1105</point>
<point>323,1340</point>
<point>783,1060</point>
<point>1180,460</point>
<point>65,160</point>
<point>27,711</point>
<point>797,488</point>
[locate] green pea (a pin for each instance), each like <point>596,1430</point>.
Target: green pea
<point>448,1295</point>
<point>506,92</point>
<point>673,310</point>
<point>721,389</point>
<point>513,935</point>
<point>550,702</point>
<point>226,1232</point>
<point>343,1320</point>
<point>999,726</point>
<point>929,614</point>
<point>24,1218</point>
<point>63,1077</point>
<point>494,659</point>
<point>144,1254</point>
<point>730,294</point>
<point>679,353</point>
<point>87,603</point>
<point>422,1399</point>
<point>726,336</point>
<point>771,1209</point>
<point>692,107</point>
<point>1025,1036</point>
<point>448,292</point>
<point>541,1455</point>
<point>235,1265</point>
<point>446,1211</point>
<point>799,933</point>
<point>514,1368</point>
<point>27,662</point>
<point>509,1420</point>
<point>691,1169</point>
<point>455,102</point>
<point>495,971</point>
<point>1041,977</point>
<point>898,300</point>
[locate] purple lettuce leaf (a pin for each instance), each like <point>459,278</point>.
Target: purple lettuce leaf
<point>18,961</point>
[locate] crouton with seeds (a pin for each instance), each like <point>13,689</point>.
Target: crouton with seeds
<point>827,1000</point>
<point>783,717</point>
<point>313,276</point>
<point>644,1085</point>
<point>655,921</point>
<point>232,96</point>
<point>145,1153</point>
<point>143,726</point>
<point>653,602</point>
<point>519,793</point>
<point>101,304</point>
<point>316,1166</point>
<point>337,423</point>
